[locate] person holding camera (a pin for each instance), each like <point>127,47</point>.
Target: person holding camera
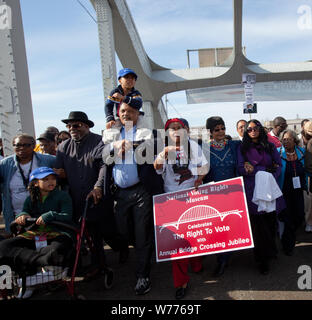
<point>257,154</point>
<point>182,165</point>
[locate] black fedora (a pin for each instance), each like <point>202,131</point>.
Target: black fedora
<point>79,116</point>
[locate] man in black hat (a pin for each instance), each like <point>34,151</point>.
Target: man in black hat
<point>79,160</point>
<point>72,158</point>
<point>50,130</point>
<point>47,143</point>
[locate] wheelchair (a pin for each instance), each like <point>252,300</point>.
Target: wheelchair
<point>76,261</point>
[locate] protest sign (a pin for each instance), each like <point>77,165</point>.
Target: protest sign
<point>212,219</point>
<point>249,81</point>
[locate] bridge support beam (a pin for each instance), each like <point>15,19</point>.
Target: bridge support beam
<point>107,46</point>
<point>16,114</point>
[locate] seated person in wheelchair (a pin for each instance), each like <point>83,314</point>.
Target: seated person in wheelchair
<point>41,244</point>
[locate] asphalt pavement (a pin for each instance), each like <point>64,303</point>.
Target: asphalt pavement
<point>241,280</point>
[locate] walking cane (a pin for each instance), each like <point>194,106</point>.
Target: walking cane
<point>78,246</point>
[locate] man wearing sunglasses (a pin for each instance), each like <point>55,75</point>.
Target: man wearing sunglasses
<point>79,161</point>
<point>279,125</point>
<point>14,175</point>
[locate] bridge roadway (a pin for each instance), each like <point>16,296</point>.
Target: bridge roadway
<point>241,281</point>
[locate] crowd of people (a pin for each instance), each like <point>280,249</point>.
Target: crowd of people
<point>121,170</point>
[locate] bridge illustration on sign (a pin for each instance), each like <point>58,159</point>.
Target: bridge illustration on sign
<point>200,212</point>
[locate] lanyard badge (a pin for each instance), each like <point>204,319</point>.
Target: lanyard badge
<point>41,242</point>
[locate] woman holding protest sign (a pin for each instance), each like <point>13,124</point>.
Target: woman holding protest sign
<point>182,166</point>
<point>257,155</point>
<point>223,166</point>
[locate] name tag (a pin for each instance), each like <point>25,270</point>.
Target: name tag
<point>41,242</point>
<point>296,182</point>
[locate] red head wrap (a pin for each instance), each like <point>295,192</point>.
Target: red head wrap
<point>174,120</point>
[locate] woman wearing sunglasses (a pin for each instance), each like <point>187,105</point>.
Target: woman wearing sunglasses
<point>223,165</point>
<point>255,154</point>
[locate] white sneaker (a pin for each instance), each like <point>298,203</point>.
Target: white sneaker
<point>308,228</point>
<point>27,294</point>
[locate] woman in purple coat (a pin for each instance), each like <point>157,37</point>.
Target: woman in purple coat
<point>257,154</point>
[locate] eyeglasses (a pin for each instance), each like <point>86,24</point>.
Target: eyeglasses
<point>74,125</point>
<point>255,129</point>
<point>217,130</point>
<point>22,145</point>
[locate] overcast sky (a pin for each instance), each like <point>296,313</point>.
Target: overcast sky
<point>64,59</point>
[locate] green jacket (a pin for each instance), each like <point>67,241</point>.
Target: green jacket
<point>56,207</point>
